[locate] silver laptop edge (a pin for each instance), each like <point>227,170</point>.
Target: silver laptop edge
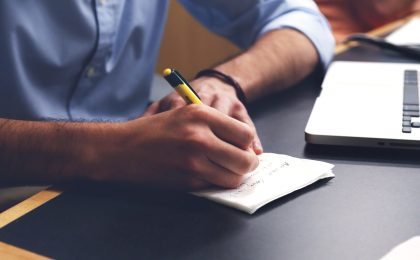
<point>361,104</point>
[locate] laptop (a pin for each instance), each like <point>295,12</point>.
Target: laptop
<point>367,104</point>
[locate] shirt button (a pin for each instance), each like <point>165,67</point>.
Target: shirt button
<point>90,73</point>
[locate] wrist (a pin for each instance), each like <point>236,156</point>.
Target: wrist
<point>205,83</point>
<point>227,80</point>
<point>99,145</point>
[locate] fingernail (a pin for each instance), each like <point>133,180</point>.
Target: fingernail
<point>257,147</point>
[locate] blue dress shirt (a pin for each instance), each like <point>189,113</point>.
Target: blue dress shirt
<point>94,59</point>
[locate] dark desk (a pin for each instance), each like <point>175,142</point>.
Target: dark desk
<point>371,206</point>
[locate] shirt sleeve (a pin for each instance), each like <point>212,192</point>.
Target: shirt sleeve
<point>243,21</point>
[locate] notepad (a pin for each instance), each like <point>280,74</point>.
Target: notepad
<point>276,176</point>
<point>409,250</point>
<point>407,34</point>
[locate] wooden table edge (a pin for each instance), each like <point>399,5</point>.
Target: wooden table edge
<point>27,206</point>
<point>15,253</point>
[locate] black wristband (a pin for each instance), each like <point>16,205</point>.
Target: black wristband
<point>226,79</point>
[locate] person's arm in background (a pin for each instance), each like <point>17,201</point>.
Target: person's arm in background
<point>376,13</point>
<point>285,40</point>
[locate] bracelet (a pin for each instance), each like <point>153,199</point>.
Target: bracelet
<point>226,79</point>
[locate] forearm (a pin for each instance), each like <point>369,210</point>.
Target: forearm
<point>378,12</point>
<point>276,61</point>
<point>46,151</point>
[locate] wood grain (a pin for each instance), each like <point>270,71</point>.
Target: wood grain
<point>27,206</point>
<point>188,46</point>
<point>14,253</point>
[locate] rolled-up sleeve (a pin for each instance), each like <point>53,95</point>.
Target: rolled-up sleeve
<point>243,21</point>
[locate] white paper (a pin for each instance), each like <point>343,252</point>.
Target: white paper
<point>276,176</point>
<point>408,34</point>
<point>409,250</point>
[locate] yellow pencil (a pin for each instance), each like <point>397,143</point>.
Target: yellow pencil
<point>181,86</point>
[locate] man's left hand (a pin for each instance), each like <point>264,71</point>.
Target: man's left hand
<point>216,94</point>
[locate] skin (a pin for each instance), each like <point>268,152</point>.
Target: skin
<point>276,61</point>
<point>172,145</point>
<point>199,144</point>
<point>378,12</point>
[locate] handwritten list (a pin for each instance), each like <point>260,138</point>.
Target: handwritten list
<point>276,176</point>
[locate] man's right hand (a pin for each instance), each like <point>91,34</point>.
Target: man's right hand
<point>189,147</point>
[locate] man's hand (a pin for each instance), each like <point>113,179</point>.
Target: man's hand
<point>189,147</point>
<point>186,147</point>
<point>216,94</point>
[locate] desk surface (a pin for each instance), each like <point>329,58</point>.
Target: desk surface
<point>369,207</point>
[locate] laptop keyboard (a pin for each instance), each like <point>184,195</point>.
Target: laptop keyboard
<point>411,101</point>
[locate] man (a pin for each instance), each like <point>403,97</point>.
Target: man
<point>75,78</point>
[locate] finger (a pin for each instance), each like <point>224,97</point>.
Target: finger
<point>206,98</point>
<point>152,109</point>
<point>205,92</point>
<point>234,159</point>
<point>222,104</point>
<point>171,102</point>
<point>242,115</point>
<point>229,129</point>
<point>257,146</point>
<point>217,175</point>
